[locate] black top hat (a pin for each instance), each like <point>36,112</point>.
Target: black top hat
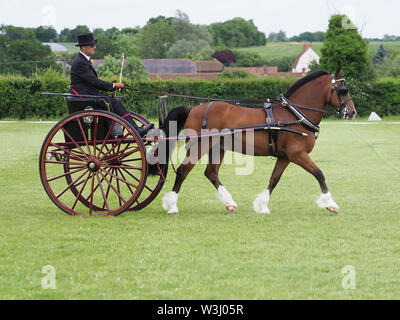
<point>86,40</point>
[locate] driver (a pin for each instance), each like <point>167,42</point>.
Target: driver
<point>84,79</point>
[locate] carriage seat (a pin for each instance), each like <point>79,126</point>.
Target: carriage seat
<point>78,103</point>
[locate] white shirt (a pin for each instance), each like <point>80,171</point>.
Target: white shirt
<point>87,57</point>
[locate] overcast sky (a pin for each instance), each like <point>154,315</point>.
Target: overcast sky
<point>373,18</point>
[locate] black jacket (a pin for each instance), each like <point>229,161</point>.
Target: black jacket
<point>84,79</point>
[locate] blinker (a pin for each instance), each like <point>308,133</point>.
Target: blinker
<point>343,90</point>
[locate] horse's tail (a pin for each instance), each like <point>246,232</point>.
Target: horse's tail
<point>178,114</point>
<point>166,147</point>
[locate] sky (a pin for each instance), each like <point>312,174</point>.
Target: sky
<point>373,18</point>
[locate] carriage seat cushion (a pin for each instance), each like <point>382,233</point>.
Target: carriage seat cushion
<point>75,104</point>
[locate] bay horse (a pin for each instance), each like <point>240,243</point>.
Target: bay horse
<point>315,90</point>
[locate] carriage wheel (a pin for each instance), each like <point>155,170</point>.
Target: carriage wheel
<point>105,174</point>
<point>154,182</point>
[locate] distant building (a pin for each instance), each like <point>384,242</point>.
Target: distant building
<point>304,59</point>
<point>162,66</point>
<point>169,69</point>
<point>55,47</point>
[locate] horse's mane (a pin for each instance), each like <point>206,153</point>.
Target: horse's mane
<point>303,81</point>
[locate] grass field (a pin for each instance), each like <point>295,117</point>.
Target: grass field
<point>276,50</point>
<point>296,252</point>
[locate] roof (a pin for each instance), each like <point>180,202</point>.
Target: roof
<point>55,46</point>
<point>209,66</point>
<point>169,66</point>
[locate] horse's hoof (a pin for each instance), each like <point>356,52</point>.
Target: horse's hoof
<point>172,213</point>
<point>332,209</point>
<point>231,208</point>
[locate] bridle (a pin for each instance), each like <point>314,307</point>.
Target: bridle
<point>342,90</point>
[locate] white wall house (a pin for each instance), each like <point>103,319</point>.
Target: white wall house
<point>304,59</point>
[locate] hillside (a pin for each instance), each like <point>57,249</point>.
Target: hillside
<point>276,50</point>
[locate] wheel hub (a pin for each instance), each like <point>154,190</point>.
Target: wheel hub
<point>93,165</point>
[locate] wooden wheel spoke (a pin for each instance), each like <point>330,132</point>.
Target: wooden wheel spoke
<point>95,121</point>
<point>112,187</point>
<point>121,166</point>
<point>116,145</point>
<point>137,179</point>
<point>84,136</point>
<point>71,184</point>
<point>122,174</point>
<point>68,152</point>
<point>120,179</point>
<point>102,192</point>
<point>80,191</point>
<point>66,173</point>
<point>63,162</point>
<point>106,137</point>
<point>120,155</point>
<point>74,142</point>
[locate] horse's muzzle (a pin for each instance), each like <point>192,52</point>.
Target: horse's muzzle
<point>351,115</point>
<point>348,114</point>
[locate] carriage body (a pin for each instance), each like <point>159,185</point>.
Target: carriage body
<point>93,162</point>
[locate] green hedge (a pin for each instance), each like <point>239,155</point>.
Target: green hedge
<point>21,97</point>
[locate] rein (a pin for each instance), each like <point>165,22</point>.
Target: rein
<point>235,101</point>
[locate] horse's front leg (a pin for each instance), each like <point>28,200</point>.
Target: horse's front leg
<point>260,204</point>
<point>325,200</point>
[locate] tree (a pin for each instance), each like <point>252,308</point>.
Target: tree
<point>226,57</point>
<point>277,36</point>
<point>17,33</point>
<point>46,34</point>
<point>309,36</point>
<point>125,43</point>
<point>105,46</point>
<point>188,49</point>
<point>380,54</point>
<point>154,39</point>
<point>344,48</point>
<point>67,35</point>
<point>112,33</point>
<point>133,68</point>
<point>190,38</point>
<point>389,67</point>
<point>24,56</point>
<point>248,59</point>
<point>236,33</point>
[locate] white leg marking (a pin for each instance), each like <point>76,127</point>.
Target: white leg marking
<point>169,202</point>
<point>326,201</point>
<point>226,198</point>
<point>260,204</point>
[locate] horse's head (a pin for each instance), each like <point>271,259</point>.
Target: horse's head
<point>339,96</point>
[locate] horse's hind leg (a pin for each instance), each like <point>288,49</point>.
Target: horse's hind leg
<point>260,204</point>
<point>215,158</point>
<point>170,199</point>
<point>325,200</point>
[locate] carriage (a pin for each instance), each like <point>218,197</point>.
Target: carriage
<point>93,162</point>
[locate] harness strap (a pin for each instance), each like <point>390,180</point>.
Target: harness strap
<point>302,118</point>
<point>204,121</point>
<point>270,120</point>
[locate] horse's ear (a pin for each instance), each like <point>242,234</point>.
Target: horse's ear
<point>338,72</point>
